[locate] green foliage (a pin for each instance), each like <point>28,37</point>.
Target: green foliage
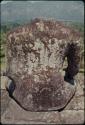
<point>76,25</point>
<point>2,44</point>
<point>7,27</point>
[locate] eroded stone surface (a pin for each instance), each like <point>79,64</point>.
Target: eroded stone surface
<point>5,100</point>
<point>77,102</point>
<point>72,117</point>
<point>15,114</point>
<point>72,114</point>
<point>80,79</point>
<point>4,82</point>
<point>35,56</point>
<point>51,96</point>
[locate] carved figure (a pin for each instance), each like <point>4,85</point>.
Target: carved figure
<point>35,55</point>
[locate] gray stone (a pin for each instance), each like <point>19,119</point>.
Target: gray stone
<point>4,82</point>
<point>35,56</point>
<point>72,117</point>
<point>77,103</point>
<point>15,114</point>
<point>5,99</point>
<point>80,80</point>
<point>52,96</point>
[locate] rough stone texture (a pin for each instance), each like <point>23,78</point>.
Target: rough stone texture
<point>5,99</point>
<point>35,56</point>
<point>4,80</point>
<point>52,96</point>
<point>76,117</point>
<point>73,113</point>
<point>80,81</point>
<point>15,114</point>
<point>77,103</point>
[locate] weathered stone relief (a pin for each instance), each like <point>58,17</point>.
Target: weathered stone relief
<point>35,56</point>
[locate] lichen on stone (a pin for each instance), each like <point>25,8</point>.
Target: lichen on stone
<point>35,54</point>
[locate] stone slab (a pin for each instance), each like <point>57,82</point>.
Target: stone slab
<point>73,113</point>
<point>72,117</point>
<point>15,114</point>
<point>5,100</point>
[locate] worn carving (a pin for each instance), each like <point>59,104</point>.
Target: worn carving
<point>35,56</point>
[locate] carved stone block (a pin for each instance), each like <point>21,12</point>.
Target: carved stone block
<point>35,56</point>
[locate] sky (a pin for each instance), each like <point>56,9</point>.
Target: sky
<point>23,11</point>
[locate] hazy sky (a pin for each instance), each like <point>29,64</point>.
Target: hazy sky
<point>16,11</point>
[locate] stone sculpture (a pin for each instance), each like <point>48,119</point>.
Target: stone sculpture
<point>35,55</point>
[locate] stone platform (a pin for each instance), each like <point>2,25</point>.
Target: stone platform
<point>73,113</point>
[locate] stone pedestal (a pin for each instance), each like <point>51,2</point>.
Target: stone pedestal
<point>35,56</point>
